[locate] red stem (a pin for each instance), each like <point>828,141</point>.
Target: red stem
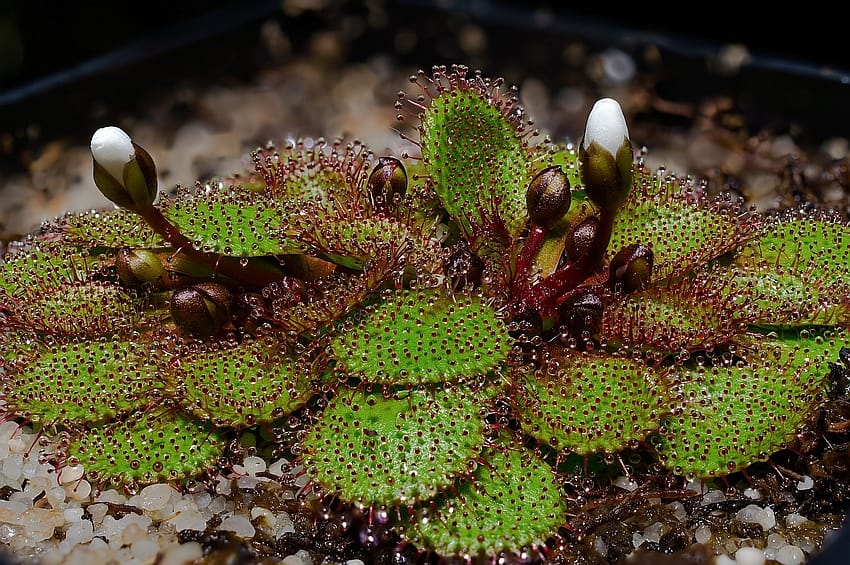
<point>544,296</point>
<point>526,259</point>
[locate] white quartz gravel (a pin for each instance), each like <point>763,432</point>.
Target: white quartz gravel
<point>54,517</point>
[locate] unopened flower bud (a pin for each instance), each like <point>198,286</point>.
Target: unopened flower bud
<point>202,309</point>
<point>581,315</point>
<point>548,197</point>
<point>136,267</point>
<point>387,182</point>
<point>631,268</point>
<point>582,239</point>
<point>605,155</point>
<point>123,171</point>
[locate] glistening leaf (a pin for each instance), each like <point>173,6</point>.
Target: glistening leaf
<point>514,501</point>
<point>423,336</point>
<point>589,403</point>
<point>375,450</point>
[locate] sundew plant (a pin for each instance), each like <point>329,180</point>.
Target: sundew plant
<point>446,338</point>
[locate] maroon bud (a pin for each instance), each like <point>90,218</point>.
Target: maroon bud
<point>387,183</point>
<point>202,309</point>
<point>582,313</point>
<point>548,197</point>
<point>582,238</point>
<point>631,268</point>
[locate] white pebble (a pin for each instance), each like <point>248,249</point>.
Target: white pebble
<point>702,534</point>
<point>654,532</point>
<point>112,496</point>
<point>56,495</point>
<point>217,505</point>
<point>283,525</point>
<point>79,490</point>
<point>754,514</point>
<point>132,533</point>
<point>145,550</point>
<point>81,531</point>
<point>598,544</point>
<point>202,499</point>
<point>790,555</point>
<point>247,482</point>
<point>625,483</point>
<point>239,525</point>
<point>181,553</point>
<point>637,539</point>
<point>7,533</point>
<point>807,483</point>
<point>679,511</point>
<point>73,514</point>
<point>189,519</point>
<point>752,494</point>
<point>70,473</point>
<point>153,497</point>
<point>97,511</point>
<point>776,541</point>
<point>749,556</point>
<point>223,485</point>
<point>254,465</point>
<point>724,559</point>
<point>795,520</point>
<point>279,467</point>
<point>359,562</point>
<point>713,496</point>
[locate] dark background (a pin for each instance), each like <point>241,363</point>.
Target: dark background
<point>65,65</point>
<point>51,50</point>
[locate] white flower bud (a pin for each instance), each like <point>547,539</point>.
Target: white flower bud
<point>113,149</point>
<point>605,155</point>
<point>123,171</point>
<point>606,125</point>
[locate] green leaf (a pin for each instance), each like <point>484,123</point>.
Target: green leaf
<point>254,382</point>
<point>671,319</point>
<point>110,229</point>
<point>148,448</point>
<point>231,222</point>
<point>731,416</point>
<point>27,272</point>
<point>423,336</point>
<point>683,230</point>
<point>589,403</point>
<point>354,241</point>
<point>472,146</point>
<point>815,248</point>
<point>328,176</point>
<point>80,382</point>
<point>811,249</point>
<point>397,450</point>
<point>513,502</point>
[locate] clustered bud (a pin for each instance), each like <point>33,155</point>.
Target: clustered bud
<point>201,310</point>
<point>631,268</point>
<point>137,267</point>
<point>387,183</point>
<point>548,197</point>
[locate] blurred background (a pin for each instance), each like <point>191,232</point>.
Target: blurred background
<point>746,100</point>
